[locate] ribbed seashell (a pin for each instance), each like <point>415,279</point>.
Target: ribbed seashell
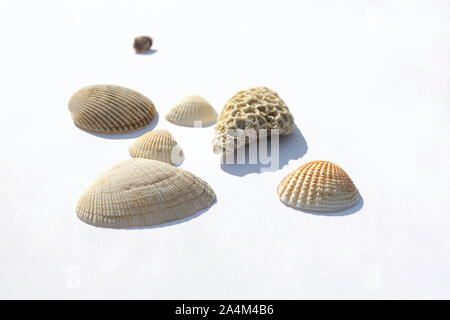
<point>157,145</point>
<point>190,110</point>
<point>318,186</point>
<point>110,109</point>
<point>142,192</point>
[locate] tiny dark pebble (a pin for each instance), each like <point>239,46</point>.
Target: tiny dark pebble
<point>142,44</point>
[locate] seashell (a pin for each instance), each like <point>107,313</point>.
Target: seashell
<point>249,114</point>
<point>191,109</point>
<point>142,44</point>
<point>142,192</point>
<point>157,145</point>
<point>318,186</point>
<point>110,109</point>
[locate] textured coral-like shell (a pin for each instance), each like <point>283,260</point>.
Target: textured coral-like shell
<point>191,109</point>
<point>256,108</point>
<point>318,186</point>
<point>110,109</point>
<point>157,145</point>
<point>142,192</point>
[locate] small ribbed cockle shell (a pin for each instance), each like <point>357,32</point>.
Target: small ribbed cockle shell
<point>157,145</point>
<point>191,111</point>
<point>141,192</point>
<point>110,109</point>
<point>318,186</point>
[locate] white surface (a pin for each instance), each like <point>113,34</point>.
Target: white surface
<point>367,83</point>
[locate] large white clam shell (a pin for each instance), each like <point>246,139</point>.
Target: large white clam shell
<point>142,192</point>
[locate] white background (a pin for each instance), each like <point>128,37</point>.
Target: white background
<point>368,85</point>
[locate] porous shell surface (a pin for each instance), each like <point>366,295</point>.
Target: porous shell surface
<point>110,109</point>
<point>142,192</point>
<point>190,110</point>
<point>256,110</point>
<point>157,145</point>
<point>318,186</point>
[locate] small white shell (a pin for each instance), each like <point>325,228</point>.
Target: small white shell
<point>190,110</point>
<point>318,186</point>
<point>142,192</point>
<point>157,145</point>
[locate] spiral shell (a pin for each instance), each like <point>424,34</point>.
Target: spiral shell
<point>190,110</point>
<point>157,145</point>
<point>110,109</point>
<point>318,186</point>
<point>142,192</point>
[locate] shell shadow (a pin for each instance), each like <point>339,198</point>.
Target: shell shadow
<point>291,147</point>
<point>358,206</point>
<point>147,53</point>
<point>128,135</point>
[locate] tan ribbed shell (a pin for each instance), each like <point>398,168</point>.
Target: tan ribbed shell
<point>318,186</point>
<point>110,109</point>
<point>191,109</point>
<point>142,192</point>
<point>253,110</point>
<point>157,145</point>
